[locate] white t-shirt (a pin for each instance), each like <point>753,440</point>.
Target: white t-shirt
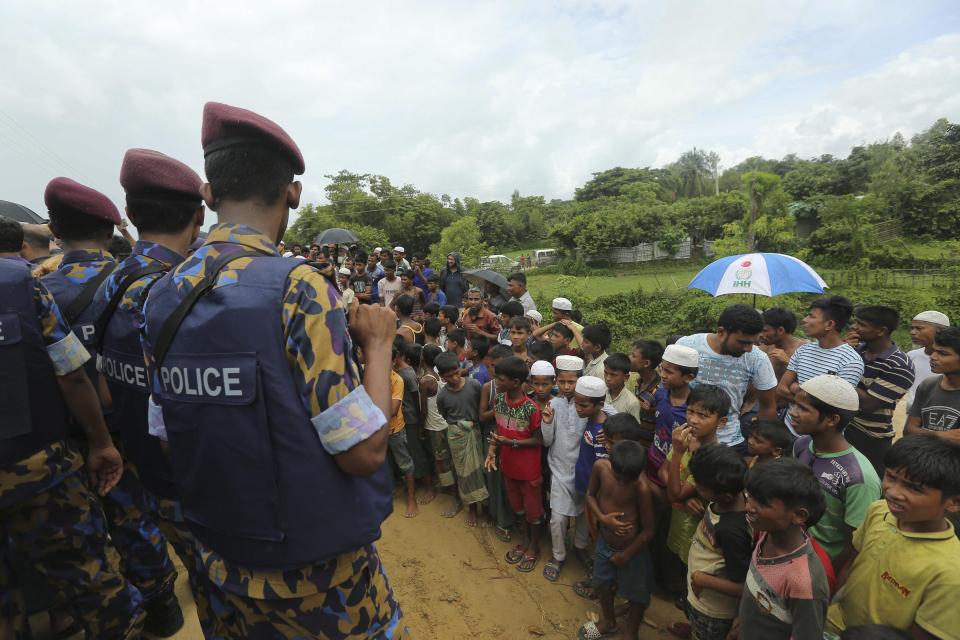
<point>733,375</point>
<point>811,360</point>
<point>388,290</point>
<point>921,367</point>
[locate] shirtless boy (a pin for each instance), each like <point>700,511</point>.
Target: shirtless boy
<point>623,506</point>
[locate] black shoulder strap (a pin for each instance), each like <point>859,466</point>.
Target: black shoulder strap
<point>82,301</point>
<point>104,318</point>
<point>172,323</point>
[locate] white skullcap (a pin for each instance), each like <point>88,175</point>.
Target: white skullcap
<point>933,317</point>
<point>288,254</point>
<point>562,304</point>
<point>592,387</point>
<point>833,391</point>
<point>542,368</point>
<point>533,313</point>
<point>378,250</point>
<point>399,248</point>
<point>569,363</point>
<point>344,271</point>
<point>682,356</point>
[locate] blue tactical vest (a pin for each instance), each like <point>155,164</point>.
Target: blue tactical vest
<point>65,291</point>
<point>33,415</point>
<point>121,364</point>
<point>255,483</point>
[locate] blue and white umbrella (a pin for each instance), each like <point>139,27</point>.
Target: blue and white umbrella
<point>765,274</point>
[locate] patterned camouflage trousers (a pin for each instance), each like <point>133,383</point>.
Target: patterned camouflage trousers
<point>144,559</point>
<point>362,606</point>
<point>214,614</point>
<point>63,533</point>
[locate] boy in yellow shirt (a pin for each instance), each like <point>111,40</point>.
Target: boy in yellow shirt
<point>906,572</point>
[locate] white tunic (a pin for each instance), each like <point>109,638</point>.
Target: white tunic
<point>921,367</point>
<point>562,439</point>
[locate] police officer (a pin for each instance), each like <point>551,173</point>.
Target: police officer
<point>83,219</point>
<point>163,203</point>
<point>12,241</point>
<point>277,447</point>
<point>47,511</point>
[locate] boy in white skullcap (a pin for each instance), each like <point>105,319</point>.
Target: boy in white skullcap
<point>561,309</point>
<point>821,410</point>
<point>923,328</point>
<point>348,294</point>
<point>589,396</point>
<point>678,368</point>
<point>562,431</point>
<point>542,378</point>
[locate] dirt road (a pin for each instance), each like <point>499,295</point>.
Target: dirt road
<point>452,583</point>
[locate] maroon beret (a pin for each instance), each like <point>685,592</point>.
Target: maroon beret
<point>225,126</point>
<point>64,195</point>
<point>151,174</point>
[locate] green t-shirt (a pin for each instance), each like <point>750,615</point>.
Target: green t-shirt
<point>850,485</point>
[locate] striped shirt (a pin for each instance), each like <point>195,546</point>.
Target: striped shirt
<point>784,597</point>
<point>811,360</point>
<point>886,377</point>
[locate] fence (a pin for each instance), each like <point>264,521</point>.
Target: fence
<point>648,251</point>
<point>891,278</point>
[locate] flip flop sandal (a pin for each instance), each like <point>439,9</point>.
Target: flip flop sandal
<point>681,630</point>
<point>503,535</point>
<point>515,555</point>
<point>528,564</point>
<point>584,589</point>
<point>551,570</point>
<point>590,631</point>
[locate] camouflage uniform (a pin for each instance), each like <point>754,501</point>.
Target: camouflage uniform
<point>143,548</point>
<point>49,515</point>
<point>348,596</point>
<point>169,516</point>
<point>216,617</point>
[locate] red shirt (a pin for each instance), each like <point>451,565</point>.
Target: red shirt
<point>518,420</point>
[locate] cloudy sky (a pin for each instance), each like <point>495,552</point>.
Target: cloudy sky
<point>466,98</point>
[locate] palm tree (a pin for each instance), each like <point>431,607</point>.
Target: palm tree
<point>713,161</point>
<point>692,169</point>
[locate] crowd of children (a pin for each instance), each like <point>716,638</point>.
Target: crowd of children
<point>751,474</point>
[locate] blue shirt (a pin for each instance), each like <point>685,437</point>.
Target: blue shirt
<point>669,417</point>
<point>480,373</point>
<point>439,297</point>
<point>590,451</point>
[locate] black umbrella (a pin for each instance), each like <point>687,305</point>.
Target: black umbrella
<point>479,276</point>
<point>336,236</point>
<point>19,213</point>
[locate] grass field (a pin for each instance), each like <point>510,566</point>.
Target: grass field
<point>663,279</point>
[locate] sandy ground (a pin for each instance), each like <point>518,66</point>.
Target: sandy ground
<point>452,582</point>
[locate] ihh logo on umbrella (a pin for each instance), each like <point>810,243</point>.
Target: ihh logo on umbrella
<point>743,275</point>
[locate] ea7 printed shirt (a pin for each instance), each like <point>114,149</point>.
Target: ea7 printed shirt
<point>937,408</point>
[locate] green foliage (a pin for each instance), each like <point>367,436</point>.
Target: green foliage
<point>846,232</point>
<point>733,242</point>
<point>463,236</point>
<point>633,183</point>
<point>753,205</point>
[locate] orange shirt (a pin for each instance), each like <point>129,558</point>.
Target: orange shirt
<point>396,393</point>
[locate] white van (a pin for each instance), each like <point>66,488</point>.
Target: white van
<point>498,262</point>
<point>543,257</point>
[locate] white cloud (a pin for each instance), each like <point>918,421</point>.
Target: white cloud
<point>906,94</point>
<point>467,99</point>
